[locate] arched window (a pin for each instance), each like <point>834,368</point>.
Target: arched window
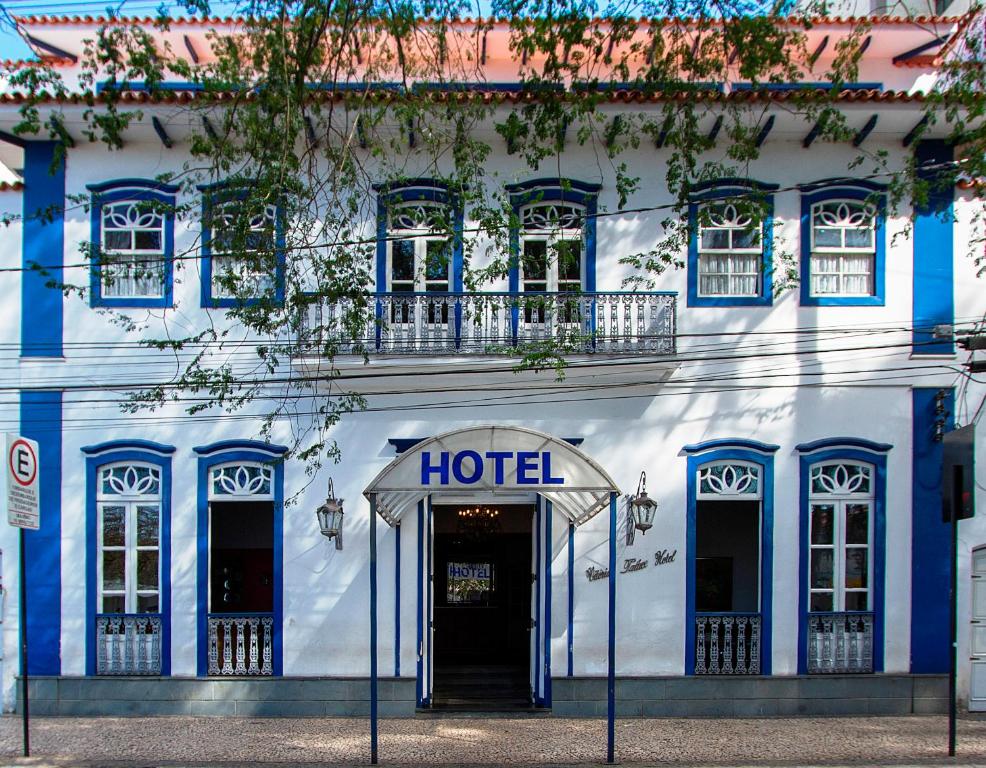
<point>241,563</point>
<point>843,557</point>
<point>730,247</point>
<point>842,243</point>
<point>129,506</point>
<point>729,562</point>
<point>128,558</point>
<point>552,243</point>
<point>133,222</point>
<point>243,242</point>
<point>841,511</point>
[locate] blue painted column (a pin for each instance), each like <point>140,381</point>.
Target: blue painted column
<point>611,668</point>
<point>373,629</point>
<point>930,545</point>
<point>934,302</point>
<point>546,635</point>
<point>43,247</point>
<point>397,600</point>
<point>420,670</point>
<point>41,420</point>
<point>571,599</point>
<point>41,412</point>
<point>538,581</point>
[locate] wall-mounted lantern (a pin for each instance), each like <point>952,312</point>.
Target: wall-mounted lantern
<point>330,517</point>
<point>642,509</point>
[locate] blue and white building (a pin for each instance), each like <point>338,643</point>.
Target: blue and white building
<point>797,561</point>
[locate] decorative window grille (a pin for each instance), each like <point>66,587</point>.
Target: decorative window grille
<point>129,506</point>
<point>730,480</point>
<point>730,251</point>
<point>420,259</point>
<point>841,529</point>
<point>552,244</point>
<point>843,248</point>
<point>242,252</point>
<point>234,480</point>
<point>132,249</point>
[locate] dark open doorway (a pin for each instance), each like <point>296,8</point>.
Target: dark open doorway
<point>482,641</point>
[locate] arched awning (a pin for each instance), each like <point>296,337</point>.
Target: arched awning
<point>493,459</point>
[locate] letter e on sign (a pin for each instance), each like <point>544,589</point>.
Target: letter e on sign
<point>23,509</point>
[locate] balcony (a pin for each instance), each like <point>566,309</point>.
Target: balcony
<point>492,324</point>
<point>727,644</point>
<point>840,643</point>
<point>128,644</point>
<point>241,644</point>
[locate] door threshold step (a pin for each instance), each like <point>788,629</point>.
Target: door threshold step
<point>473,710</point>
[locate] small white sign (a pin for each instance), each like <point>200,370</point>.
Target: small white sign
<point>23,508</point>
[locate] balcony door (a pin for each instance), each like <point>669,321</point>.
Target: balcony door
<point>552,268</point>
<point>241,570</point>
<point>419,261</point>
<point>728,584</point>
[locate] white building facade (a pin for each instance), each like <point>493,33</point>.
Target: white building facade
<point>791,440</point>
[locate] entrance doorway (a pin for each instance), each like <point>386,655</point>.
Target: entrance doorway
<point>241,587</point>
<point>482,594</point>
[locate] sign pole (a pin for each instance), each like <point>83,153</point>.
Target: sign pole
<point>25,711</point>
<point>953,622</point>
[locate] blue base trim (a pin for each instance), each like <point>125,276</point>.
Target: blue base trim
<point>41,420</point>
<point>930,539</point>
<point>110,453</point>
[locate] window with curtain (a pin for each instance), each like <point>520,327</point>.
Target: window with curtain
<point>730,251</point>
<point>843,248</point>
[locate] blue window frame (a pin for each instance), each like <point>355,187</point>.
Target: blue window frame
<point>843,490</point>
<point>132,232</point>
<point>127,482</point>
<point>551,213</point>
<point>743,462</point>
<point>730,258</point>
<point>422,210</point>
<point>240,470</point>
<point>265,223</point>
<point>843,243</point>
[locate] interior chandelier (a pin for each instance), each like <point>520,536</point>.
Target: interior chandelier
<point>479,522</point>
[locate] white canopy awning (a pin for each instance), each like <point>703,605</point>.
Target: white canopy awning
<point>493,459</point>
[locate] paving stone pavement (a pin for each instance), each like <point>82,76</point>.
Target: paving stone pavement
<point>192,742</point>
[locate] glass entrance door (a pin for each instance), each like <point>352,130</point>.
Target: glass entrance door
<point>482,606</point>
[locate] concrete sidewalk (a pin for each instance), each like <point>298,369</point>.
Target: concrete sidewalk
<point>184,741</point>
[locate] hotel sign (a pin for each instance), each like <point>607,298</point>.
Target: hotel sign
<point>469,467</point>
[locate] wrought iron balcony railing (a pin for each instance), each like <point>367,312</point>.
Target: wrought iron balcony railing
<point>840,643</point>
<point>241,644</point>
<point>128,644</point>
<point>727,644</point>
<point>493,323</point>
